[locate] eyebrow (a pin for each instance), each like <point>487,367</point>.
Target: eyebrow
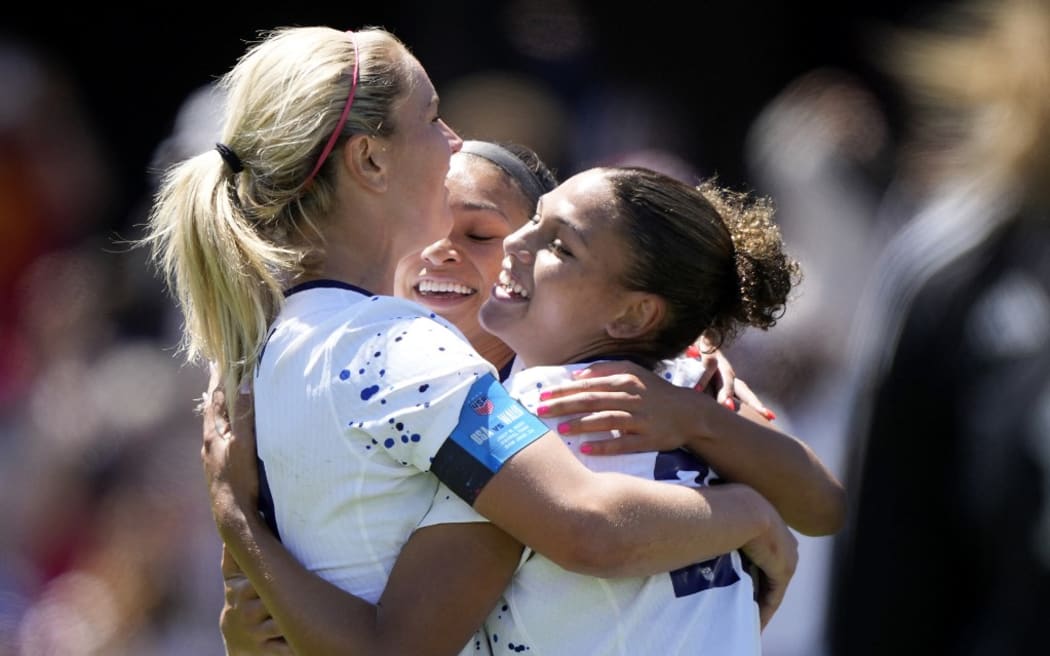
<point>560,221</point>
<point>573,229</point>
<point>483,206</point>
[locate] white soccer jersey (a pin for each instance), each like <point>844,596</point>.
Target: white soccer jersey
<point>706,608</point>
<point>359,401</point>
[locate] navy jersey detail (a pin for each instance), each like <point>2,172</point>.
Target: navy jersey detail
<point>266,508</point>
<point>682,466</point>
<point>717,572</point>
<point>492,427</point>
<point>504,372</point>
<point>262,351</point>
<point>679,465</point>
<point>315,284</point>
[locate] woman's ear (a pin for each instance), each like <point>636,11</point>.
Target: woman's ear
<point>642,314</point>
<point>367,160</point>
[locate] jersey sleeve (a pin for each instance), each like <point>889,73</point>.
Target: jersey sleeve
<point>449,508</point>
<point>492,427</point>
<point>419,391</point>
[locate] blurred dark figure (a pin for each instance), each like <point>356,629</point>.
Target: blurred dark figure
<point>948,550</point>
<point>824,150</point>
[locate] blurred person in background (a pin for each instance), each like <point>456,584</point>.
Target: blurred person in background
<point>55,190</point>
<point>948,546</point>
<point>823,148</point>
<point>101,549</point>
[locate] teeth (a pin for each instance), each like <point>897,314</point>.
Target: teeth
<point>506,282</point>
<point>444,286</point>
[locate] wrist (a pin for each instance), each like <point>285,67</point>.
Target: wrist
<point>230,514</point>
<point>702,427</point>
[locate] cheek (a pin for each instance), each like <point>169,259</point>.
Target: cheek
<point>405,274</point>
<point>585,298</point>
<point>488,262</point>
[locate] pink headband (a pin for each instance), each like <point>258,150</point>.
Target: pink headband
<point>342,118</point>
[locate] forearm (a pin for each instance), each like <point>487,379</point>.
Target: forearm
<point>614,524</point>
<point>653,527</point>
<point>446,580</point>
<point>315,616</point>
<point>745,448</point>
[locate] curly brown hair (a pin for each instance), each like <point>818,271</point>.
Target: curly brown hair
<point>715,255</point>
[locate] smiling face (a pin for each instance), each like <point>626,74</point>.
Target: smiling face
<point>560,292</point>
<point>453,276</point>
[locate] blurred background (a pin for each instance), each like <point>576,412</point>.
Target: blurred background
<point>888,181</point>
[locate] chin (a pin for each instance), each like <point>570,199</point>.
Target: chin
<point>499,324</point>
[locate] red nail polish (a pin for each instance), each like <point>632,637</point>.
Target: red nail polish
<point>563,427</point>
<point>770,415</point>
<point>586,448</point>
<point>544,395</point>
<point>542,410</point>
<point>692,351</point>
<point>729,403</point>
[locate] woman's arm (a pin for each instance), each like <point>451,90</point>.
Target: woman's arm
<point>247,626</point>
<point>594,523</point>
<point>652,414</point>
<point>445,581</point>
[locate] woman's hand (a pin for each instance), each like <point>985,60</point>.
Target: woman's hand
<point>774,555</point>
<point>228,457</point>
<point>725,386</point>
<point>650,413</point>
<point>247,627</point>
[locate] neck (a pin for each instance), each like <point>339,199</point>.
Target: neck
<point>357,248</point>
<point>351,265</point>
<point>492,349</point>
<point>599,349</point>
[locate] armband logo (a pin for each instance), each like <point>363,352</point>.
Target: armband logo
<point>482,405</point>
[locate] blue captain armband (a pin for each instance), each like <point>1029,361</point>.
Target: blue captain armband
<point>492,427</point>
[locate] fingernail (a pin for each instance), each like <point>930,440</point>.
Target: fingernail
<point>563,427</point>
<point>542,410</point>
<point>580,373</point>
<point>586,448</point>
<point>692,352</point>
<point>729,403</point>
<point>544,395</point>
<point>769,414</point>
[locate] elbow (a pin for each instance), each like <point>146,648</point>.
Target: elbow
<point>594,544</point>
<point>829,515</point>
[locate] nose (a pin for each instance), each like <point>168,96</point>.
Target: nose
<point>440,252</point>
<point>455,142</point>
<point>516,245</point>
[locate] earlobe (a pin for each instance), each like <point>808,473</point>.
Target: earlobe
<point>366,161</point>
<point>643,314</point>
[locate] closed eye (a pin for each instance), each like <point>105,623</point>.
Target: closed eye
<point>558,248</point>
